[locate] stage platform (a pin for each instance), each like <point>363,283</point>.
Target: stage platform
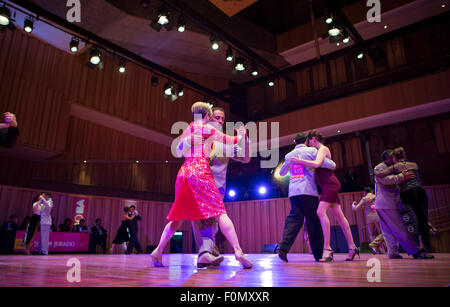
<point>180,270</point>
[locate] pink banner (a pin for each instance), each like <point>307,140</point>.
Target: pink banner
<point>59,242</point>
<point>79,210</point>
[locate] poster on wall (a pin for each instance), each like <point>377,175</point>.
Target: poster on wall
<point>79,211</point>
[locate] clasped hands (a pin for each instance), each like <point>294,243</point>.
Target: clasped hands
<point>10,120</point>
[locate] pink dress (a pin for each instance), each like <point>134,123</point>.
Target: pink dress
<point>196,193</point>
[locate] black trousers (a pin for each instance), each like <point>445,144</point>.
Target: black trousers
<point>303,206</point>
<point>96,239</point>
<point>134,243</point>
<point>32,227</point>
<point>417,198</point>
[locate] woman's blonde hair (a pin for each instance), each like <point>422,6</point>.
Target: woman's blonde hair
<point>202,108</point>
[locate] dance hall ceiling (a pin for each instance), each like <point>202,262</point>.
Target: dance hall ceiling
<point>273,34</point>
<point>259,26</point>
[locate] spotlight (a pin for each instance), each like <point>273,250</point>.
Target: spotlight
<point>74,44</point>
<point>229,54</point>
<point>240,64</point>
<point>329,19</point>
<point>360,56</point>
<point>262,190</point>
<point>232,193</point>
<point>95,57</point>
<point>214,43</point>
<point>181,25</point>
<point>180,91</point>
<point>28,25</point>
<point>385,27</point>
<point>168,89</point>
<point>333,30</point>
<point>155,81</point>
<point>5,16</point>
<point>346,39</point>
<point>84,161</point>
<point>271,83</point>
<point>163,16</point>
<point>254,70</point>
<point>137,161</point>
<point>338,44</point>
<point>122,66</point>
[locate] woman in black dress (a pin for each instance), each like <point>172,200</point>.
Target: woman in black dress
<point>123,233</point>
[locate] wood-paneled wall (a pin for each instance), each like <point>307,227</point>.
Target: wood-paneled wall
<point>38,79</point>
<point>257,222</point>
<point>398,96</point>
<point>110,157</point>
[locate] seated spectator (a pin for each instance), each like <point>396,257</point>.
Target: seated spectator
<point>98,237</point>
<point>65,227</point>
<point>81,227</point>
<point>8,235</point>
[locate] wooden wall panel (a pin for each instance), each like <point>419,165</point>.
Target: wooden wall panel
<point>38,79</point>
<point>257,222</point>
<point>381,100</point>
<point>353,152</point>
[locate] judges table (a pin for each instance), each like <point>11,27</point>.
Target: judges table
<point>59,242</point>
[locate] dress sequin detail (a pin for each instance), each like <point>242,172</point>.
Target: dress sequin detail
<point>196,193</point>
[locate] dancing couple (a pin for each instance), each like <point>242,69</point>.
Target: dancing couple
<point>197,196</point>
<point>311,158</point>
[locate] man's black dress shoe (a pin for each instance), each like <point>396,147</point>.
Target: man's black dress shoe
<point>282,255</point>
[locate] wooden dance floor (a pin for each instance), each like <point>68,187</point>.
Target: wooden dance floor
<point>180,270</point>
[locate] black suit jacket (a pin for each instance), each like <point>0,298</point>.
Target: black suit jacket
<point>134,224</point>
<point>8,138</point>
<point>94,230</point>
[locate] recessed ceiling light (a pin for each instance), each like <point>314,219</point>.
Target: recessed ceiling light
<point>385,27</point>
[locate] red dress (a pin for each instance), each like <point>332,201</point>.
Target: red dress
<point>330,185</point>
<point>196,193</point>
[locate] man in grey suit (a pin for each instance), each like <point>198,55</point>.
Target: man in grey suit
<point>390,209</point>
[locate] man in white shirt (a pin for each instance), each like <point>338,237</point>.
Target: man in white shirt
<point>205,230</point>
<point>303,197</point>
<point>45,204</point>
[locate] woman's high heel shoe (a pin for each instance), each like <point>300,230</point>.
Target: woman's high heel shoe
<point>352,253</point>
<point>243,260</point>
<point>328,257</point>
<point>157,261</point>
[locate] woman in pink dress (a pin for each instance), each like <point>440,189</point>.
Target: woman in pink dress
<point>196,193</point>
<point>329,198</point>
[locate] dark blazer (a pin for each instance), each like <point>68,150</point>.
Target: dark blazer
<point>95,231</point>
<point>134,224</point>
<point>8,138</point>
